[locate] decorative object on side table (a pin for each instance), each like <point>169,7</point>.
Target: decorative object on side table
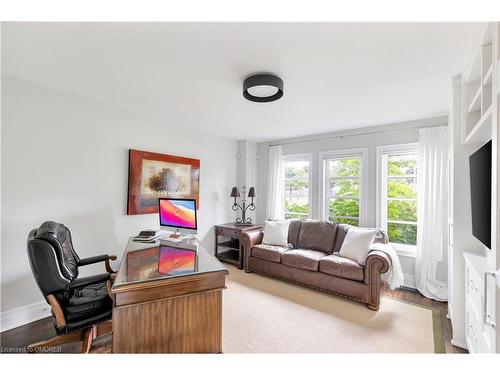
<point>243,207</point>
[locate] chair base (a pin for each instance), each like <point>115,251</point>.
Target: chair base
<point>87,336</point>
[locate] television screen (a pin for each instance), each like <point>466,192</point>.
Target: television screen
<point>178,213</point>
<point>175,261</point>
<point>480,189</point>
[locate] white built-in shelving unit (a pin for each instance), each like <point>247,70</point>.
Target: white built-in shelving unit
<point>478,93</point>
<point>474,299</point>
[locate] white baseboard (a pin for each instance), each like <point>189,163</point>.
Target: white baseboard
<point>460,344</point>
<point>409,281</point>
<point>24,315</point>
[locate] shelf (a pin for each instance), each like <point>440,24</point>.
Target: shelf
<point>475,104</point>
<point>229,244</point>
<point>229,255</point>
<point>481,132</point>
<point>488,76</point>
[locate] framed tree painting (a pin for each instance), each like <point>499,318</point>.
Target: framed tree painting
<point>153,176</point>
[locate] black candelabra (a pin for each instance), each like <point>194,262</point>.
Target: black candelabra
<point>243,207</point>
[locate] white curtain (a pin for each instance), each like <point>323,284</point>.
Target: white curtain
<point>275,184</point>
<point>432,238</point>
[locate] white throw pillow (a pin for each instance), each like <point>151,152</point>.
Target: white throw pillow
<point>276,233</point>
<point>357,243</point>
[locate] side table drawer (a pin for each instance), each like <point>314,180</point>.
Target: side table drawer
<point>228,232</point>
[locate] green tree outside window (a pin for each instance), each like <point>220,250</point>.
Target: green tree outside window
<point>296,189</point>
<point>344,190</point>
<point>402,198</point>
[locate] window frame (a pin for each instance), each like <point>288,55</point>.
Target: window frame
<point>382,199</point>
<point>326,156</point>
<point>298,157</point>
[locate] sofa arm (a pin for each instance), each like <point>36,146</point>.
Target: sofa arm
<point>377,262</point>
<point>248,240</point>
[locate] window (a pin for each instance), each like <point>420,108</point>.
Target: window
<point>297,186</point>
<point>398,194</point>
<point>343,187</point>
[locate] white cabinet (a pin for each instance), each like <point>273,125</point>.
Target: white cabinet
<point>474,299</point>
<point>480,286</point>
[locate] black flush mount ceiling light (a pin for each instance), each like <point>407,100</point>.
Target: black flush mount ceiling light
<point>263,88</point>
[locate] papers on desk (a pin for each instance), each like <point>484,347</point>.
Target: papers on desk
<point>146,238</point>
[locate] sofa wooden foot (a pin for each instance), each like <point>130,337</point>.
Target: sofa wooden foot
<point>372,307</point>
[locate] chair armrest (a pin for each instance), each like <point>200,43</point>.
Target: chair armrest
<point>376,262</point>
<point>248,240</point>
<point>96,259</point>
<point>89,280</point>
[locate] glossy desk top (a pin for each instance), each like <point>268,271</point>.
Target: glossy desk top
<point>145,262</point>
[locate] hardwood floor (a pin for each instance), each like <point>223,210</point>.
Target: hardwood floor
<point>412,296</point>
<point>18,338</point>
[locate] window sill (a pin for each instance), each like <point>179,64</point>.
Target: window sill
<point>405,250</point>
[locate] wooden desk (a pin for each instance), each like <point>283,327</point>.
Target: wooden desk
<point>168,299</point>
<point>229,249</point>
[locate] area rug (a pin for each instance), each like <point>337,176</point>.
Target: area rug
<point>264,315</point>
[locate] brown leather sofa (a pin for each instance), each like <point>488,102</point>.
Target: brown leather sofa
<point>312,260</point>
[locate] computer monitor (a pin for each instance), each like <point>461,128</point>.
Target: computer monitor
<point>178,214</point>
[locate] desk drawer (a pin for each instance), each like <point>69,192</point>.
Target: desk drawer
<point>170,288</point>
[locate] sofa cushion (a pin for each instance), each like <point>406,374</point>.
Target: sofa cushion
<point>269,252</point>
<point>302,258</point>
<point>317,235</point>
<point>293,231</point>
<point>342,229</point>
<point>276,232</point>
<point>336,265</point>
<point>357,244</point>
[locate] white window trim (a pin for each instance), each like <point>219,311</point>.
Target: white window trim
<point>363,178</point>
<point>300,157</point>
<point>401,249</point>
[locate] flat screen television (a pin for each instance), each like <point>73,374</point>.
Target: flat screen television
<point>480,191</point>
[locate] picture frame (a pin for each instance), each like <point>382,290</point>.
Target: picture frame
<point>153,175</point>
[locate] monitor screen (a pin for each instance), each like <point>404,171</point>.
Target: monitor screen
<point>175,261</point>
<point>178,213</point>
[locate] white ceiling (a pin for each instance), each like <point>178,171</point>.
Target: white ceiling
<point>336,76</point>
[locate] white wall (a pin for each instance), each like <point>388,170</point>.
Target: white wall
<point>399,133</point>
<point>65,158</point>
<point>247,173</point>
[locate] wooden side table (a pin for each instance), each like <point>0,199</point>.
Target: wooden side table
<point>228,247</point>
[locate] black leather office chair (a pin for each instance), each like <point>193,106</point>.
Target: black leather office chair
<point>81,307</point>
